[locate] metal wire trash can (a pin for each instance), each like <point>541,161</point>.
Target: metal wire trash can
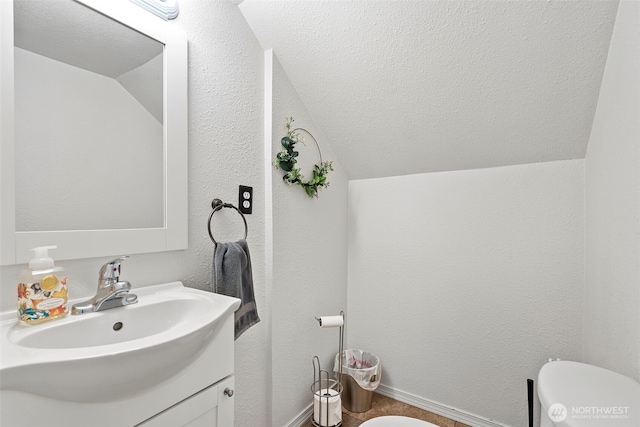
<point>361,373</point>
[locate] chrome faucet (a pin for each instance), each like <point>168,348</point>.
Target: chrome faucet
<point>111,291</point>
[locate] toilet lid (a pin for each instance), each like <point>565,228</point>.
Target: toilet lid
<point>395,421</point>
<point>588,395</point>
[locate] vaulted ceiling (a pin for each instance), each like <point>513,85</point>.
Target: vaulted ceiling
<point>72,33</point>
<point>411,86</point>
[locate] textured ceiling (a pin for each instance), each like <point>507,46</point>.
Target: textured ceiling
<point>403,87</point>
<point>72,33</point>
<point>69,32</point>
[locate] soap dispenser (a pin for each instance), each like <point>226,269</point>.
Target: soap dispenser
<point>42,289</point>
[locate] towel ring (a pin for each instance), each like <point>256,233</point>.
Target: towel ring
<point>217,204</point>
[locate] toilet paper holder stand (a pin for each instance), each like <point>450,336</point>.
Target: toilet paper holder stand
<point>320,384</point>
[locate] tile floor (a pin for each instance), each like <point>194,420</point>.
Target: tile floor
<point>383,405</point>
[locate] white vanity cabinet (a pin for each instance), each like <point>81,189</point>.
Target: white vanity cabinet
<point>173,367</point>
<point>211,407</point>
<point>194,397</point>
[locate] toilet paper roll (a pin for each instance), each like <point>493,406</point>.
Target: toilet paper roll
<point>322,399</point>
<point>330,321</point>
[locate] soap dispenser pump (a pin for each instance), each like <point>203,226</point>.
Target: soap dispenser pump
<point>42,289</point>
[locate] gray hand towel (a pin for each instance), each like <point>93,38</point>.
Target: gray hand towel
<point>232,277</point>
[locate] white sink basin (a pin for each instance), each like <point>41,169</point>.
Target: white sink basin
<point>111,354</point>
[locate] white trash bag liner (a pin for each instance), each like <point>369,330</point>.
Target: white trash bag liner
<point>364,368</point>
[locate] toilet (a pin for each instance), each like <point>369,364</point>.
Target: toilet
<point>574,394</point>
<point>396,421</point>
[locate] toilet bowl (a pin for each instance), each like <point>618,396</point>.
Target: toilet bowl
<point>396,421</point>
<point>574,394</point>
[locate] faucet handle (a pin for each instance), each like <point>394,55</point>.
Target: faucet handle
<point>110,272</point>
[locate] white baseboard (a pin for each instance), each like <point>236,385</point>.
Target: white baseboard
<point>438,408</point>
<point>419,402</point>
<point>302,417</point>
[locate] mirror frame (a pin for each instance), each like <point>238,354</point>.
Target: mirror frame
<point>76,244</point>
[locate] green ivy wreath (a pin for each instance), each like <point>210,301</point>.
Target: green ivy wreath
<point>286,160</point>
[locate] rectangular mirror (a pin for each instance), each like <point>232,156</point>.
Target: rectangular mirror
<point>94,130</point>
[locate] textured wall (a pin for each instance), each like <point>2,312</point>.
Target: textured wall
<point>612,297</point>
<point>309,262</point>
<point>463,283</point>
<point>225,149</point>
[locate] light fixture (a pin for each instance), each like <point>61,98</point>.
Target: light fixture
<point>165,9</point>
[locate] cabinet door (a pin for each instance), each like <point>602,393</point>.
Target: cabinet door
<point>199,410</point>
<point>226,400</point>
